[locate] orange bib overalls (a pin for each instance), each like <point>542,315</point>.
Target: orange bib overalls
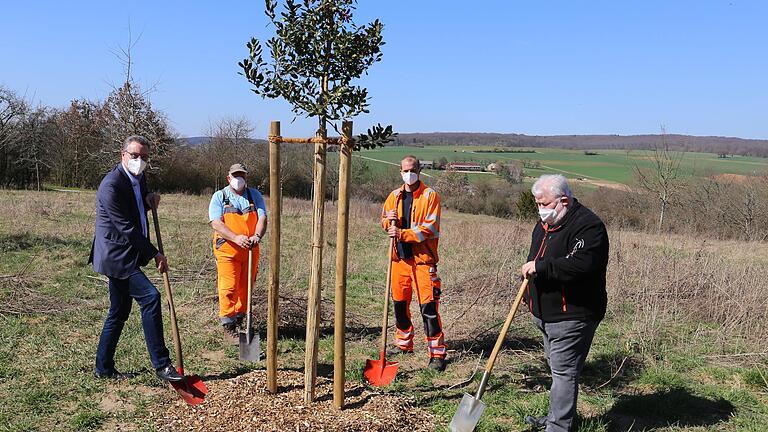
<point>232,260</point>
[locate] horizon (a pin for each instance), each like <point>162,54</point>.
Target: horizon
<point>529,69</point>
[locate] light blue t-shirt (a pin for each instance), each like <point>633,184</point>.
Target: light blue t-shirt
<point>216,208</point>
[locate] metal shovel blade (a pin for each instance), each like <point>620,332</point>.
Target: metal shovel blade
<point>468,414</point>
<point>380,372</point>
<point>250,351</point>
<point>192,389</point>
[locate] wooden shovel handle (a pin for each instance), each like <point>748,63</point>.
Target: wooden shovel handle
<point>503,334</point>
<point>169,296</point>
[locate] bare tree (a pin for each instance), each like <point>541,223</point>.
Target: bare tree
<point>663,177</point>
<point>231,142</point>
<point>37,129</point>
<point>80,136</point>
<point>12,111</point>
<point>128,111</point>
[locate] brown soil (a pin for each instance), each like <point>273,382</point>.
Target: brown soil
<point>243,404</point>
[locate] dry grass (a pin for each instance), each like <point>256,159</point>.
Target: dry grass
<point>702,298</point>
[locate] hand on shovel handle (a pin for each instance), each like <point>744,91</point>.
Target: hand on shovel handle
<point>162,262</point>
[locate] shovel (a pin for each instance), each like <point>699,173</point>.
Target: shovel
<point>471,408</point>
<point>250,347</point>
<point>192,389</point>
<point>381,372</point>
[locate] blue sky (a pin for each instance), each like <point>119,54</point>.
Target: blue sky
<point>533,67</point>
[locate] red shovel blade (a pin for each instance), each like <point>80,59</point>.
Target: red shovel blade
<point>380,372</point>
<point>192,389</point>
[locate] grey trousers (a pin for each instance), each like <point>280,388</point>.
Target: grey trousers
<point>566,345</point>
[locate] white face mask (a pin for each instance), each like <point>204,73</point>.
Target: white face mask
<point>548,215</point>
<point>237,183</point>
<point>136,166</point>
<point>409,178</point>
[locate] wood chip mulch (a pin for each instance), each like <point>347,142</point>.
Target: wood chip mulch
<point>243,404</point>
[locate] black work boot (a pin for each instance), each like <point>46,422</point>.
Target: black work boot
<point>536,422</point>
<point>437,363</point>
<point>396,350</point>
<point>231,333</point>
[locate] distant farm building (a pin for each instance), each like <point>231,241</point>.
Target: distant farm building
<point>427,164</point>
<point>493,167</point>
<point>464,166</point>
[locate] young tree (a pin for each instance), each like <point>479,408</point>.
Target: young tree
<point>663,177</point>
<point>316,53</point>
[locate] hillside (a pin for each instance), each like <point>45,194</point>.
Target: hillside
<point>726,145</point>
<point>690,143</point>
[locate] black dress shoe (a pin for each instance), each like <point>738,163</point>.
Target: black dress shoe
<point>114,374</point>
<point>168,373</point>
<point>536,422</point>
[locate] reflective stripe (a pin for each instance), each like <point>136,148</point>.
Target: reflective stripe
<point>427,193</point>
<point>431,217</point>
<point>408,345</point>
<point>438,351</point>
<point>419,234</point>
<point>404,335</point>
<point>431,227</point>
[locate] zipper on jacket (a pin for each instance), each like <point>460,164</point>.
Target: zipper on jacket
<point>540,251</point>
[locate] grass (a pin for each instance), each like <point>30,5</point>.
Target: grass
<point>663,360</point>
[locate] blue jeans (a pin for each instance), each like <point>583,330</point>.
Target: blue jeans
<point>566,345</point>
<point>121,295</point>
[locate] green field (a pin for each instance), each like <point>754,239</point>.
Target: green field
<point>615,166</point>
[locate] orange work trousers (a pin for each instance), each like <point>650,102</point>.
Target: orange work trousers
<point>232,270</point>
<point>407,277</point>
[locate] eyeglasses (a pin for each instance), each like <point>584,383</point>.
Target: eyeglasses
<point>144,157</point>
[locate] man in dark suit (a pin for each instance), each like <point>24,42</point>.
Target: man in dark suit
<point>120,248</point>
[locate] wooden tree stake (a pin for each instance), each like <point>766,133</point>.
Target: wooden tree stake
<point>275,204</point>
<point>342,233</point>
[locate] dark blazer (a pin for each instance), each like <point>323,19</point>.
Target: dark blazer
<point>119,247</point>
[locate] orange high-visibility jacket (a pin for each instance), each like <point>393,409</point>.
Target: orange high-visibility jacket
<point>425,222</point>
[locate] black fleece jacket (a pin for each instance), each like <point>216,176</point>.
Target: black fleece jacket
<point>571,260</point>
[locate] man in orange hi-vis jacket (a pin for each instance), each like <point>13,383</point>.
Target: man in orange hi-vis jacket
<point>411,216</point>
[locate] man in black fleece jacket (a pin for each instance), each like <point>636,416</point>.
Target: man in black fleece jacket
<point>566,292</point>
